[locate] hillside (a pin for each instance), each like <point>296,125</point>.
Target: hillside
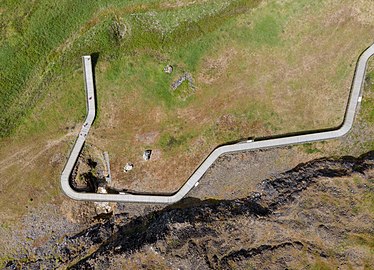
<point>311,217</point>
<point>253,68</point>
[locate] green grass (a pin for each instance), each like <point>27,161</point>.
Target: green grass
<point>27,55</point>
<point>48,38</point>
<point>168,141</point>
<point>41,87</point>
<point>168,20</point>
<point>32,53</point>
<point>368,101</point>
<point>310,148</point>
<point>145,44</point>
<point>319,265</point>
<point>58,41</point>
<point>46,93</point>
<point>266,31</point>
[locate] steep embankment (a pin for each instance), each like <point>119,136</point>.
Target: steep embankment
<point>318,214</point>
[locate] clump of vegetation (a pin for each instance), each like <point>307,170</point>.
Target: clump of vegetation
<point>310,148</point>
<point>119,29</point>
<point>368,101</point>
<point>168,142</point>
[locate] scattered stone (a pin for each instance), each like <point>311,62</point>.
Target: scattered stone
<point>102,190</point>
<point>168,69</point>
<point>197,228</point>
<point>102,207</point>
<point>185,77</point>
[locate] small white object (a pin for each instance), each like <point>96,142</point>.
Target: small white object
<point>168,69</point>
<point>128,167</point>
<point>102,190</point>
<point>359,99</point>
<point>147,155</point>
<point>197,183</point>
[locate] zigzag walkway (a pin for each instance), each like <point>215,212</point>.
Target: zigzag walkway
<point>354,100</point>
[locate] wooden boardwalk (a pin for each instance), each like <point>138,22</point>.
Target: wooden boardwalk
<point>354,100</point>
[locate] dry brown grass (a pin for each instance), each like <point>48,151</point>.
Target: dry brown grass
<point>149,259</point>
<point>303,92</point>
<point>29,176</point>
<point>301,85</point>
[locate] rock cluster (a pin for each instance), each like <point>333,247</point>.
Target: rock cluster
<point>185,77</point>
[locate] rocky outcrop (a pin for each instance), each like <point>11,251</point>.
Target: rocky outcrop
<point>185,77</point>
<point>282,220</point>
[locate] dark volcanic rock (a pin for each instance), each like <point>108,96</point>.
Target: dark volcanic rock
<point>214,234</point>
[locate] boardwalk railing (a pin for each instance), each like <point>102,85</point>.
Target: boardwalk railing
<point>352,107</point>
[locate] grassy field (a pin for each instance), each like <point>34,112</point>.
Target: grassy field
<point>251,69</point>
<point>260,68</point>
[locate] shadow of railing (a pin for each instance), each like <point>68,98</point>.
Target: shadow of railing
<point>94,60</point>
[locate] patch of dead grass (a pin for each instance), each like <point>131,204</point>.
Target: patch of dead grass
<point>305,82</point>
